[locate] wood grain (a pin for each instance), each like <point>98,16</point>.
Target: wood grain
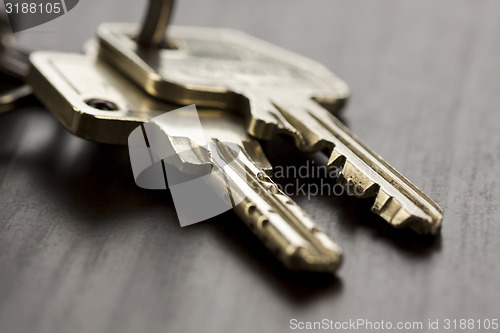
<point>82,249</point>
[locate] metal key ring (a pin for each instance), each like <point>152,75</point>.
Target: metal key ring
<point>155,23</point>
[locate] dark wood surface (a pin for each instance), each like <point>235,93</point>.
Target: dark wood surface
<point>82,249</point>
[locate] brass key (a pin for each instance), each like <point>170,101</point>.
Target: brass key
<point>98,103</point>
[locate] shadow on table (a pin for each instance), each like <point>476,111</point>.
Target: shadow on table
<point>297,286</point>
<point>356,215</point>
<point>92,181</point>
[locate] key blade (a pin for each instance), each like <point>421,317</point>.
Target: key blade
<point>363,172</point>
<point>281,224</point>
<point>397,200</point>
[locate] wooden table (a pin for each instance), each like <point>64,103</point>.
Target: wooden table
<point>82,249</point>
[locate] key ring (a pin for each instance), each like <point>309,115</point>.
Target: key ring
<point>155,23</point>
<point>13,64</point>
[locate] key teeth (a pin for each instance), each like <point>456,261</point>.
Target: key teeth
<point>336,160</point>
<point>353,180</point>
<point>304,138</point>
<point>266,120</point>
<point>387,207</point>
<point>261,129</point>
<point>393,212</point>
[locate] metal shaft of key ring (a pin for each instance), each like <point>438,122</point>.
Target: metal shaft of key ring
<point>14,65</point>
<point>12,62</point>
<point>155,23</point>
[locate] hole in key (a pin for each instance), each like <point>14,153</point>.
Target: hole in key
<point>262,223</point>
<point>251,208</point>
<point>101,104</point>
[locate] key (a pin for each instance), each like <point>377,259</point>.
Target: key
<point>95,102</point>
<point>14,66</point>
<point>279,93</point>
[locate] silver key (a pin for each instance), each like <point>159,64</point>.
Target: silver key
<point>279,93</point>
<point>95,102</point>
